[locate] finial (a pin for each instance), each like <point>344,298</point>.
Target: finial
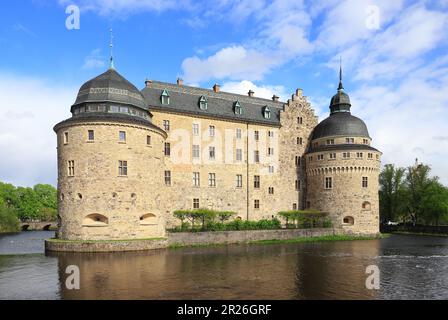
<point>340,87</point>
<point>111,46</point>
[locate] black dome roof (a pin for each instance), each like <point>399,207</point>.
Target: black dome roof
<point>340,124</point>
<point>110,86</point>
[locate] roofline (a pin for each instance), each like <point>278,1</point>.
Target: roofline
<point>345,146</point>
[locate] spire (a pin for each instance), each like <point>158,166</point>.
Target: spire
<point>340,87</point>
<point>111,47</point>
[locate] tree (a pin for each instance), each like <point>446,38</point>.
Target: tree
<point>434,204</point>
<point>28,204</point>
<point>47,195</point>
<point>8,194</point>
<point>392,192</point>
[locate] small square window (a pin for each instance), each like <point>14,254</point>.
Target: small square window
<point>122,136</point>
<point>238,133</point>
<point>195,203</point>
<point>256,204</point>
<point>122,168</point>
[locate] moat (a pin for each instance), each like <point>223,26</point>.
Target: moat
<point>412,267</point>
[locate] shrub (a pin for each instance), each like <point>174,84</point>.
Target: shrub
<point>9,222</point>
<point>305,218</point>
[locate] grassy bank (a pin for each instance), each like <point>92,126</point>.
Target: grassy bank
<point>342,237</point>
<point>421,233</point>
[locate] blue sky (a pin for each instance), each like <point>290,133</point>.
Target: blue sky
<point>394,56</point>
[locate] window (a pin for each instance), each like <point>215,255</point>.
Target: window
<point>196,151</point>
<point>332,155</point>
<point>148,140</point>
<point>271,169</point>
<point>167,149</point>
<point>349,140</point>
<point>148,219</point>
<point>299,120</point>
<point>238,133</point>
<point>315,144</point>
<point>310,158</point>
<point>366,205</point>
<point>196,181</point>
<point>299,140</point>
<point>297,185</point>
<point>256,135</point>
<point>271,190</point>
<point>359,154</point>
<point>122,168</point>
<point>237,108</point>
<point>256,204</point>
<point>328,182</point>
<point>195,129</point>
<point>271,134</point>
<point>320,157</point>
<point>239,180</point>
<point>266,112</point>
<point>195,203</point>
<point>270,151</point>
<point>365,141</point>
<point>165,97</point>
<point>298,161</point>
<point>91,135</point>
<point>346,155</point>
<point>348,220</point>
<point>257,156</point>
<point>211,130</point>
<point>370,155</point>
<point>166,125</point>
<point>330,141</point>
<point>211,152</point>
<point>364,182</point>
<point>112,109</point>
<point>167,177</point>
<point>71,168</point>
<point>122,136</point>
<point>212,180</point>
<point>124,109</point>
<point>257,182</point>
<point>65,137</point>
<point>95,220</point>
<point>203,103</point>
<point>239,154</point>
<point>294,206</point>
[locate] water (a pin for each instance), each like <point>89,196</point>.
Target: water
<point>411,267</point>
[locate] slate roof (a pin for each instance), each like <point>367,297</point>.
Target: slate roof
<point>110,86</point>
<point>341,147</point>
<point>185,99</point>
<point>340,124</point>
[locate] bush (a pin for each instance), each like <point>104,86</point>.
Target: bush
<point>9,222</point>
<point>305,219</point>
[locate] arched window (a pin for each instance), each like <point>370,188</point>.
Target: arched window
<point>203,103</point>
<point>165,97</point>
<point>266,112</point>
<point>148,219</point>
<point>95,220</point>
<point>348,221</point>
<point>237,108</point>
<point>366,205</point>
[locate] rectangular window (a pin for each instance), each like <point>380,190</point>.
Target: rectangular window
<point>167,177</point>
<point>257,156</point>
<point>359,154</point>
<point>328,182</point>
<point>271,190</point>
<point>271,169</point>
<point>122,136</point>
<point>270,151</point>
<point>196,151</point>
<point>320,157</point>
<point>299,120</point>
<point>239,180</point>
<point>298,161</point>
<point>91,135</point>
<point>167,149</point>
<point>195,203</point>
<point>148,140</point>
<point>365,141</point>
<point>166,125</point>
<point>294,206</point>
<point>330,141</point>
<point>364,182</point>
<point>349,140</point>
<point>332,155</point>
<point>257,182</point>
<point>297,185</point>
<point>71,168</point>
<point>212,180</point>
<point>271,134</point>
<point>238,133</point>
<point>239,154</point>
<point>256,204</point>
<point>196,181</point>
<point>211,130</point>
<point>211,152</point>
<point>195,129</point>
<point>65,137</point>
<point>370,155</point>
<point>257,135</point>
<point>346,155</point>
<point>122,168</point>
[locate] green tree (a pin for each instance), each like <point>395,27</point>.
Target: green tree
<point>47,195</point>
<point>434,204</point>
<point>29,205</point>
<point>393,193</point>
<point>8,195</point>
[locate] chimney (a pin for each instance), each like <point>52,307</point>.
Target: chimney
<point>250,93</point>
<point>275,98</point>
<point>148,83</point>
<point>216,88</point>
<point>180,82</point>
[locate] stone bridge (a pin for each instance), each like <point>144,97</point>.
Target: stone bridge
<point>38,225</point>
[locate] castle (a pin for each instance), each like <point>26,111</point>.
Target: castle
<point>128,158</point>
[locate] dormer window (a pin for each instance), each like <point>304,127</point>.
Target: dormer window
<point>203,103</point>
<point>266,112</point>
<point>237,108</point>
<point>165,97</point>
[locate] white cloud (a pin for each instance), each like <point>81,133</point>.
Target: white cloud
<point>94,60</point>
<point>262,91</point>
<point>27,140</point>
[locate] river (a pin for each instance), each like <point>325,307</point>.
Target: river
<point>411,267</point>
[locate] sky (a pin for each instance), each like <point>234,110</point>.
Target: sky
<point>394,57</point>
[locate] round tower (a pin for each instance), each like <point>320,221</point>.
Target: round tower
<point>343,168</point>
<point>110,164</point>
